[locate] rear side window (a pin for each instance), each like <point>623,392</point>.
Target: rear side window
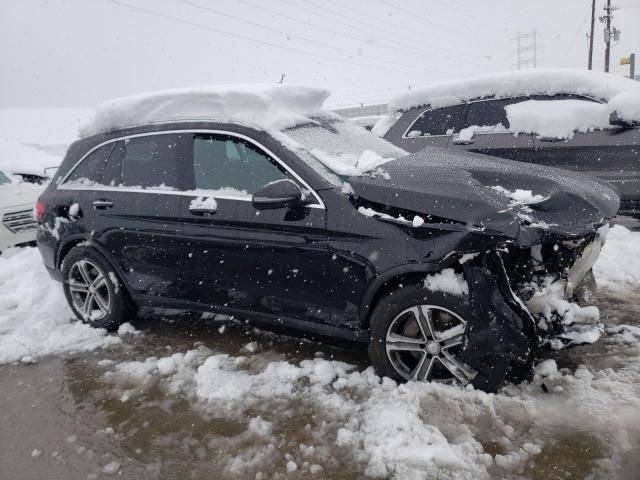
<point>231,166</point>
<point>151,161</point>
<point>441,121</point>
<point>90,170</point>
<point>490,112</point>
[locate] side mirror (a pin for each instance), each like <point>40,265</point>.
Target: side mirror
<point>616,119</point>
<point>278,194</point>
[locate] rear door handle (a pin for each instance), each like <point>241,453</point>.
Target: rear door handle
<point>102,203</point>
<point>201,211</point>
<point>550,139</point>
<point>461,141</point>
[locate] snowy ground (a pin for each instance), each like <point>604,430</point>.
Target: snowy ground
<point>188,399</point>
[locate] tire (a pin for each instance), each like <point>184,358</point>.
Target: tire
<point>88,275</point>
<point>394,317</point>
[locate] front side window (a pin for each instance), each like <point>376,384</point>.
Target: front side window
<point>151,162</point>
<point>439,121</point>
<point>230,166</point>
<point>89,172</point>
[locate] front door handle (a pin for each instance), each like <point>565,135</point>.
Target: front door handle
<point>102,203</point>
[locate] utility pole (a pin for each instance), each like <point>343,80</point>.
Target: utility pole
<point>593,22</point>
<point>607,36</point>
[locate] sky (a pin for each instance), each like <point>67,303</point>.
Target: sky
<point>78,53</point>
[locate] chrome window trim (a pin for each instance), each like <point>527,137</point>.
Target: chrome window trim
<point>103,188</point>
<point>404,135</point>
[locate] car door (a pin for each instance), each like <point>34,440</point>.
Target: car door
<point>238,258</point>
<point>133,212</point>
<point>431,127</point>
<point>486,131</point>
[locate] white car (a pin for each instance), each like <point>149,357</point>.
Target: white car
<point>17,200</point>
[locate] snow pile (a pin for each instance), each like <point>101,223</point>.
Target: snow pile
<point>447,281</point>
<point>540,81</point>
<point>34,317</point>
<point>578,325</point>
<point>347,164</point>
<point>200,203</point>
<point>346,418</point>
<point>619,261</point>
<point>384,124</point>
<point>371,213</point>
<point>557,118</point>
<point>264,106</point>
<point>18,158</point>
<point>627,106</point>
<point>467,134</point>
<point>519,196</point>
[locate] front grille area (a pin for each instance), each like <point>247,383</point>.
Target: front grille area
<point>19,221</point>
<point>630,206</point>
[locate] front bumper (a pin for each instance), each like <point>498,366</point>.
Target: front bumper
<point>501,337</point>
<point>17,226</point>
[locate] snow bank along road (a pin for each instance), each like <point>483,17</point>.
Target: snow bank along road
<point>218,399</point>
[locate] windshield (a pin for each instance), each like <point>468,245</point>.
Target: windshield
<point>4,179</point>
<point>338,149</point>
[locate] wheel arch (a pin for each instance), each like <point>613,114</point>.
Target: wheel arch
<point>391,280</point>
<point>81,240</point>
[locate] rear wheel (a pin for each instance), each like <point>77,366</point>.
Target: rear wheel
<point>418,335</point>
<point>93,290</point>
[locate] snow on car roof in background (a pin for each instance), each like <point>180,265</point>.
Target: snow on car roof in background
<point>539,81</point>
<point>266,106</point>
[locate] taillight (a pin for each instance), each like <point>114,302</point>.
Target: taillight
<point>38,212</point>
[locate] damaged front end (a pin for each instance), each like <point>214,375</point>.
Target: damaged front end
<point>524,298</point>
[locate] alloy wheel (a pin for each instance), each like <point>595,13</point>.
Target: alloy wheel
<point>424,343</point>
<point>89,290</point>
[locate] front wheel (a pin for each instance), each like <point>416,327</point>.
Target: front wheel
<point>417,334</point>
<point>93,290</point>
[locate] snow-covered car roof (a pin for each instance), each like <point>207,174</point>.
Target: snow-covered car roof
<point>268,107</point>
<point>538,81</point>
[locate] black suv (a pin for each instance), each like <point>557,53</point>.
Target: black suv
<point>610,153</point>
<point>423,257</point>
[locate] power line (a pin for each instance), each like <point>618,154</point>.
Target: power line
<point>413,16</point>
<point>251,39</point>
<point>309,40</point>
<point>403,46</point>
<point>379,20</point>
<point>573,40</point>
<point>367,31</point>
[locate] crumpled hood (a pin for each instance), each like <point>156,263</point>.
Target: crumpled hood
<point>477,190</point>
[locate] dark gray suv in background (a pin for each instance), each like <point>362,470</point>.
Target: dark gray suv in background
<point>476,115</point>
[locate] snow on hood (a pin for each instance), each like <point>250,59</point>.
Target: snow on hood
<point>17,158</point>
<point>493,193</point>
<point>268,107</point>
<point>539,81</point>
